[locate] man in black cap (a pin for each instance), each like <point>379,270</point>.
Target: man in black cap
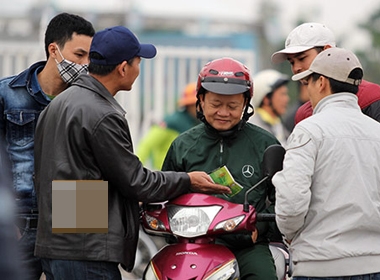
<point>83,135</point>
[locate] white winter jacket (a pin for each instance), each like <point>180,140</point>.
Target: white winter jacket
<point>328,193</point>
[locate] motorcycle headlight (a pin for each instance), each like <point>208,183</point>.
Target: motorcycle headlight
<point>191,221</point>
<point>229,271</point>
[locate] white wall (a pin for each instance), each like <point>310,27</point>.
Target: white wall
<point>157,89</point>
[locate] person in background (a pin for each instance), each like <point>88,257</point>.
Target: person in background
<point>270,102</point>
<point>328,191</point>
<point>154,145</point>
<point>302,97</point>
<point>301,47</point>
<point>224,138</point>
<point>88,117</point>
<point>22,98</point>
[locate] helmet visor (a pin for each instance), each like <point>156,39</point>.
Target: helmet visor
<point>222,85</point>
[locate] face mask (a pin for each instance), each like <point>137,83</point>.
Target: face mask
<point>70,70</point>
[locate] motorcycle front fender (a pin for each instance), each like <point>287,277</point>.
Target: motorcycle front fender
<point>192,261</point>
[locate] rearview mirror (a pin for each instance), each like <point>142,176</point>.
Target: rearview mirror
<point>273,159</point>
<point>272,163</point>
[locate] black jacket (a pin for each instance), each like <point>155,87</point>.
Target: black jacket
<point>83,135</point>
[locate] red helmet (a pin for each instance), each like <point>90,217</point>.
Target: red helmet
<point>225,76</point>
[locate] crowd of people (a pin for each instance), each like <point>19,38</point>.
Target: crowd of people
<point>60,121</point>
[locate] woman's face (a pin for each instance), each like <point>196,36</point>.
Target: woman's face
<point>280,100</point>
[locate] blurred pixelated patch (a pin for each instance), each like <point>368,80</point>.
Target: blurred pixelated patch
<point>79,206</point>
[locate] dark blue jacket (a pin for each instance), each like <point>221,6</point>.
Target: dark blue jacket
<point>21,102</point>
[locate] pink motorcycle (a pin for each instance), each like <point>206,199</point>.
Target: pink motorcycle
<point>195,220</point>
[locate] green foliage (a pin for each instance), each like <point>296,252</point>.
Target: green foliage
<point>370,58</point>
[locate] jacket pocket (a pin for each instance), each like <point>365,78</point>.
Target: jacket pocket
<point>20,127</point>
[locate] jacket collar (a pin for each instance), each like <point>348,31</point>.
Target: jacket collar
<point>28,80</point>
<point>92,84</point>
<point>341,99</point>
<point>227,136</point>
<point>25,77</point>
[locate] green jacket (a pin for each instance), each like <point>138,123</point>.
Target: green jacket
<point>200,148</point>
<point>154,145</point>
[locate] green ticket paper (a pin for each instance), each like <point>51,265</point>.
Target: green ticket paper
<point>223,177</point>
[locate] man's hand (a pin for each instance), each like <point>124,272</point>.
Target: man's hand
<point>201,182</point>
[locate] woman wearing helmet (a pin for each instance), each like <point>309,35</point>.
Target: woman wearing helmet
<point>270,102</point>
<point>224,91</point>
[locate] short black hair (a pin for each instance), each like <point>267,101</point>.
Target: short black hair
<point>102,70</point>
<point>337,86</point>
<point>62,27</point>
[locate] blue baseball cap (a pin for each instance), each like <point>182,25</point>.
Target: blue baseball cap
<point>118,44</point>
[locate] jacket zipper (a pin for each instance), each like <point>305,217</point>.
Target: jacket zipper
<point>221,153</point>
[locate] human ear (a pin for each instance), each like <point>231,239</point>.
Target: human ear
<point>123,68</point>
<point>324,84</point>
<point>266,101</point>
<point>53,51</point>
<point>202,100</point>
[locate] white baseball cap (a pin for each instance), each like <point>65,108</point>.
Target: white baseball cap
<point>334,63</point>
<point>305,37</point>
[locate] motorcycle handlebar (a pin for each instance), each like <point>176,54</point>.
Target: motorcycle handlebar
<point>264,217</point>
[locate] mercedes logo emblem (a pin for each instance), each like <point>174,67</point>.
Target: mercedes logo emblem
<point>248,171</point>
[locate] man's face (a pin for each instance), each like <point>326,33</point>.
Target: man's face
<point>132,72</point>
<point>77,49</point>
<point>221,111</point>
<point>301,61</point>
<point>314,89</point>
<point>280,100</point>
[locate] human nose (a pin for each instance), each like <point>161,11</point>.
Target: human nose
<point>297,68</point>
<point>223,111</point>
